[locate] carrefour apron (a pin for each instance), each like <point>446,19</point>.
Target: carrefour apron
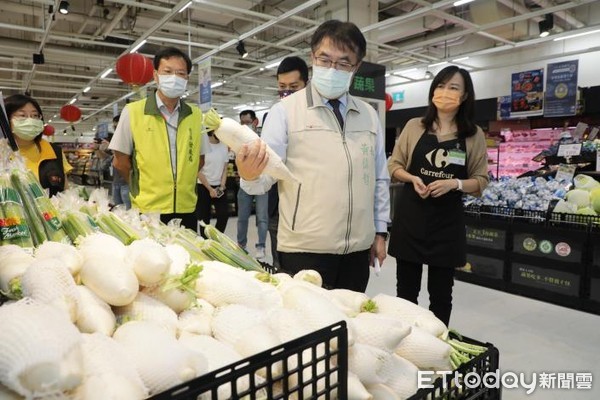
<point>432,230</point>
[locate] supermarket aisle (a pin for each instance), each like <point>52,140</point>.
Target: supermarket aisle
<point>532,336</point>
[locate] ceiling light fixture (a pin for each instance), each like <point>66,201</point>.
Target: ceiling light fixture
<point>138,46</point>
<point>186,6</point>
<point>273,65</point>
<point>577,35</point>
<point>461,2</point>
<point>73,100</point>
<point>63,8</point>
<point>241,48</point>
<point>106,73</point>
<point>460,59</point>
<point>87,89</point>
<point>546,25</point>
<point>438,64</point>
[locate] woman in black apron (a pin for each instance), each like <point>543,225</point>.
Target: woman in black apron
<point>428,226</point>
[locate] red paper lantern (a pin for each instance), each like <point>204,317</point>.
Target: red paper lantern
<point>70,113</point>
<point>48,130</point>
<point>389,102</point>
<point>135,69</point>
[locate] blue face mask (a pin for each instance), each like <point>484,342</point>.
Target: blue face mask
<point>331,83</point>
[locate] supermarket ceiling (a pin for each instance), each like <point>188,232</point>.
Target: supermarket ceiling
<point>80,46</point>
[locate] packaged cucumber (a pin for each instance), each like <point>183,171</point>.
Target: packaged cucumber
<point>13,225</point>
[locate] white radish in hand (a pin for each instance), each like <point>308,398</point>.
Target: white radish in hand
<point>235,136</point>
<point>95,315</point>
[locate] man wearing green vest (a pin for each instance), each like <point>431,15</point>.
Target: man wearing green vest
<point>158,144</point>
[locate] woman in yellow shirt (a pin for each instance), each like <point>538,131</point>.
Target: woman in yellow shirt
<point>42,158</point>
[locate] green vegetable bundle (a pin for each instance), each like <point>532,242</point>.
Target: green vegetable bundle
<point>13,225</point>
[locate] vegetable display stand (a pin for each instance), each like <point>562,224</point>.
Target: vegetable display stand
<point>592,298</point>
<point>306,367</point>
<point>445,389</point>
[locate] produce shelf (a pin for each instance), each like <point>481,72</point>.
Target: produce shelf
<point>320,372</point>
<point>445,389</point>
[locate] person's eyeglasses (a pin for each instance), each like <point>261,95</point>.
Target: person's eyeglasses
<point>25,116</point>
<point>327,63</point>
<point>181,74</point>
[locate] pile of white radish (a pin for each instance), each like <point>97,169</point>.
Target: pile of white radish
<point>107,321</point>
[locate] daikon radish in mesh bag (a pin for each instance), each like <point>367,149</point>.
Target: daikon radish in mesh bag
<point>149,260</point>
<point>110,278</point>
<point>160,359</point>
<point>287,324</point>
<point>40,348</point>
<point>379,331</point>
<point>366,362</point>
<point>146,308</point>
<point>7,394</point>
<point>67,254</point>
<point>235,135</point>
<point>196,320</point>
<point>221,285</point>
<point>14,261</point>
<point>95,315</point>
<point>411,313</point>
<point>400,375</point>
<point>100,244</point>
<point>109,372</point>
<point>356,390</point>
<point>380,391</point>
<point>425,350</point>
<point>229,322</point>
<point>47,281</point>
<point>350,302</point>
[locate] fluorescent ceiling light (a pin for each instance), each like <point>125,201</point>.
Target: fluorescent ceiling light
<point>87,89</point>
<point>460,59</point>
<point>438,64</point>
<point>137,47</point>
<point>216,84</point>
<point>186,6</point>
<point>387,75</point>
<point>461,2</point>
<point>106,73</point>
<point>273,65</point>
<point>73,100</point>
<point>405,71</point>
<point>576,35</point>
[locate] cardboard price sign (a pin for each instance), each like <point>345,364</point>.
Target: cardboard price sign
<point>569,150</point>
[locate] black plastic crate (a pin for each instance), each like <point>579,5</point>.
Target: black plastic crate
<point>445,389</point>
<point>574,221</point>
<point>320,371</point>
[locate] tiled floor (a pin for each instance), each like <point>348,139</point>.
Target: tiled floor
<point>532,336</point>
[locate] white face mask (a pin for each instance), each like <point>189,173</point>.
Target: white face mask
<point>172,86</point>
<point>27,128</point>
<point>330,82</point>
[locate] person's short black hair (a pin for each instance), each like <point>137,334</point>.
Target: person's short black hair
<point>248,112</point>
<point>293,63</point>
<point>342,34</point>
<point>18,101</point>
<point>116,118</point>
<point>169,52</point>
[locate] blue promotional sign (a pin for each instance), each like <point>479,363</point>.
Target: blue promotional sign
<point>204,83</point>
<point>398,97</point>
<point>527,93</point>
<point>503,111</point>
<point>561,89</point>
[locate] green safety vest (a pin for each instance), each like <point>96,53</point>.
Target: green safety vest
<point>154,187</point>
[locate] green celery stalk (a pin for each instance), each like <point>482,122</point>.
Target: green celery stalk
<point>13,226</point>
<point>239,259</point>
<point>36,226</point>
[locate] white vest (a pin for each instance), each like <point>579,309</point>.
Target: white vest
<point>331,211</point>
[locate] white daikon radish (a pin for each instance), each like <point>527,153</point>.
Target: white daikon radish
<point>100,244</point>
<point>287,324</point>
<point>400,375</point>
<point>47,281</point>
<point>14,261</point>
<point>40,348</point>
<point>109,372</point>
<point>310,276</point>
<point>316,310</point>
<point>160,359</point>
<point>282,277</point>
<point>95,315</point>
<point>379,331</point>
<point>110,278</point>
<point>366,362</point>
<point>235,135</point>
<point>257,339</point>
<point>7,394</point>
<point>380,391</point>
<point>220,286</point>
<point>197,320</point>
<point>230,322</point>
<point>350,302</point>
<point>149,260</point>
<point>313,366</point>
<point>180,258</point>
<point>410,313</point>
<point>146,308</point>
<point>68,255</point>
<point>178,291</point>
<point>425,351</point>
<point>356,390</point>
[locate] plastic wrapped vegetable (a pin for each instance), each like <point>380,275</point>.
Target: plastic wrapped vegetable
<point>13,224</point>
<point>235,136</point>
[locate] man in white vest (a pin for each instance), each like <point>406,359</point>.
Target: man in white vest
<point>335,219</point>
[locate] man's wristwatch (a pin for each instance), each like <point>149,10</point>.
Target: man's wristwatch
<point>459,183</point>
<point>384,235</point>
